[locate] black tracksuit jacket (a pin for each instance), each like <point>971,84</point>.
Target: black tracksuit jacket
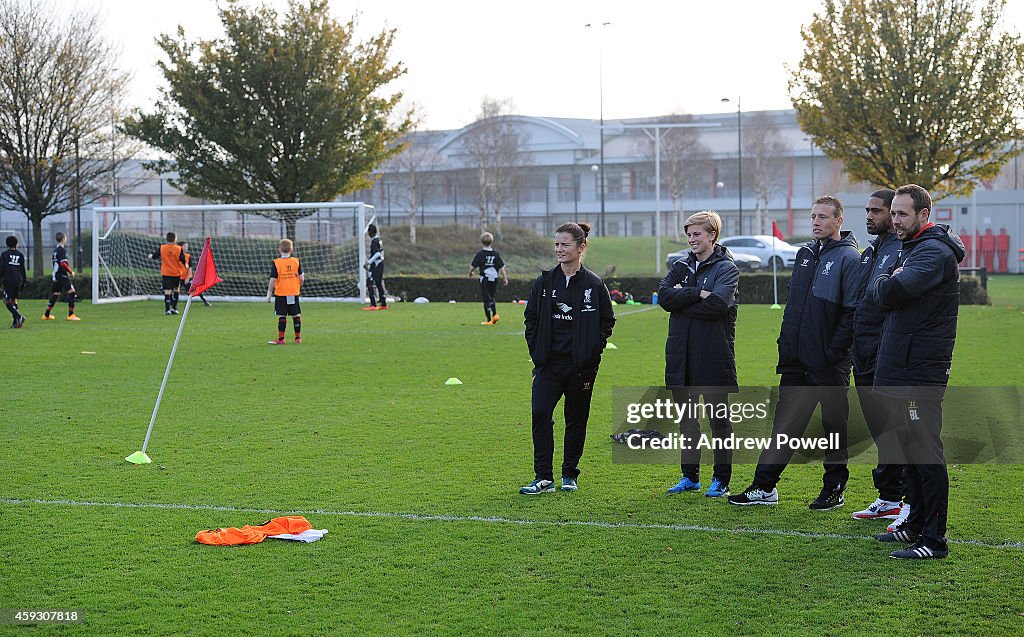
<point>592,318</point>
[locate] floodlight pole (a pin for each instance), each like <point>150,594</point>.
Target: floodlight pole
<point>600,99</point>
<point>739,157</point>
<point>78,207</point>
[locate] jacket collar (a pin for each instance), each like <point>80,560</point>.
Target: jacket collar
<point>718,253</point>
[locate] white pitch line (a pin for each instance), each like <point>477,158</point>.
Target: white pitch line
<point>486,519</point>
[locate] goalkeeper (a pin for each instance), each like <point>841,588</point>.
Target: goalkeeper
<point>172,260</point>
<point>374,267</point>
<point>285,281</point>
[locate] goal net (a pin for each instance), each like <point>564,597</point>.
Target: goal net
<point>330,242</point>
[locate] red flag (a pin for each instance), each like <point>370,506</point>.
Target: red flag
<point>206,273</point>
<point>776,231</point>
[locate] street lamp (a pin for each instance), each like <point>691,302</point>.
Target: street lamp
<point>600,91</point>
<point>739,157</point>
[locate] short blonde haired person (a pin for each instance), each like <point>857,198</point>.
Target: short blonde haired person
<point>709,219</point>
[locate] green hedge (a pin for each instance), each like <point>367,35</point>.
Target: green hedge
<point>754,288</point>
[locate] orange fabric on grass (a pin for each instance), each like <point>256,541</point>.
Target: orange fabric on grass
<point>294,524</point>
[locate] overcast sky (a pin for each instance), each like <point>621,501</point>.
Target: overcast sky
<point>659,56</point>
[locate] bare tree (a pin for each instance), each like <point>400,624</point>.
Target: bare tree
<point>765,151</point>
<point>414,173</point>
<point>494,149</point>
<point>60,101</point>
<point>685,160</point>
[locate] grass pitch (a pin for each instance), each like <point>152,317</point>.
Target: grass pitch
<point>417,483</point>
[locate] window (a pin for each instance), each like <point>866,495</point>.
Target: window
<point>568,186</point>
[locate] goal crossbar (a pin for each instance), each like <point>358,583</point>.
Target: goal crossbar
<point>343,238</point>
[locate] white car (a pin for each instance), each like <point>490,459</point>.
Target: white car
<point>760,245</point>
<point>744,262</point>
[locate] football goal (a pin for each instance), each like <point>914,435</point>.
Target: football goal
<point>330,242</point>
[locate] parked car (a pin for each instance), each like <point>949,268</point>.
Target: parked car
<point>761,246</point>
<point>744,262</point>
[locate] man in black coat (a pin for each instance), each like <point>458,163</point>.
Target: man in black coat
<point>700,291</point>
<point>814,356</point>
<point>914,360</point>
<point>878,258</point>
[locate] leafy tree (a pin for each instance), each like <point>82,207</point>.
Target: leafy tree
<point>277,111</point>
<point>59,100</point>
<point>920,91</point>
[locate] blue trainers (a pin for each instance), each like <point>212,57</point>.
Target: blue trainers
<point>569,484</point>
<point>717,489</point>
<point>538,486</point>
<point>684,484</point>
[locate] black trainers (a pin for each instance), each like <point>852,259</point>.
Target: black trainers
<point>755,495</point>
<point>827,500</point>
<point>919,552</point>
<point>899,535</point>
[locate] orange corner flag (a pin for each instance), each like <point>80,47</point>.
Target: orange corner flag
<point>206,273</point>
<point>775,231</point>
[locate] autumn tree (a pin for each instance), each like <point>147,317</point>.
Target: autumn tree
<point>281,109</point>
<point>766,152</point>
<point>493,148</point>
<point>920,91</point>
<point>413,173</point>
<point>685,161</point>
<point>60,100</point>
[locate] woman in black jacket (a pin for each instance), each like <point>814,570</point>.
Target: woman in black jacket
<point>569,320</point>
<point>700,291</point>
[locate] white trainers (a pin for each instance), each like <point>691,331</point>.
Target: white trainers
<point>900,519</point>
<point>879,509</point>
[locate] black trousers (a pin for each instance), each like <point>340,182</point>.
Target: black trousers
<point>798,398</point>
<point>689,426</point>
<point>375,279</point>
<point>487,290</point>
<point>556,379</point>
<point>919,423</point>
<point>888,477</point>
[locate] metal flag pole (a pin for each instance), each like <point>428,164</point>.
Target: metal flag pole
<point>775,271</point>
<point>140,457</point>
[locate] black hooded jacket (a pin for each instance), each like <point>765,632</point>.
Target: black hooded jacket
<point>592,318</point>
<point>817,326</point>
<point>923,301</point>
<point>877,258</point>
<point>700,350</point>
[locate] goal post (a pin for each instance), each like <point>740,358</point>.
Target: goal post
<point>330,242</point>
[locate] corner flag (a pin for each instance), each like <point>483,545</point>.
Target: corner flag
<point>776,235</point>
<point>776,232</point>
<point>206,272</point>
<point>205,277</point>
